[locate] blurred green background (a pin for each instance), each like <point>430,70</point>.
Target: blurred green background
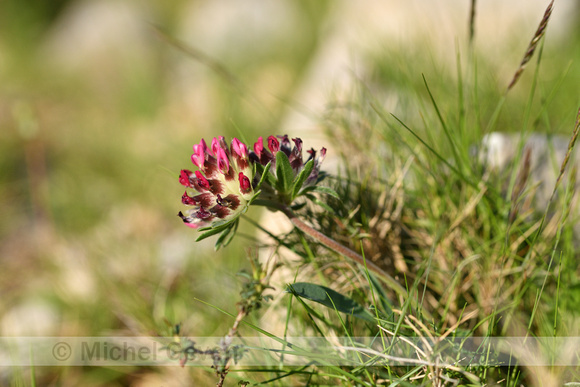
<point>98,113</point>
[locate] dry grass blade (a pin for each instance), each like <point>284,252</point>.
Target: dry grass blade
<point>563,166</point>
<point>540,32</point>
<point>406,340</point>
<point>422,357</point>
<point>520,184</point>
<point>571,145</point>
<point>469,208</point>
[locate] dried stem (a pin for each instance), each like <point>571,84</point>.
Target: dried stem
<point>520,184</point>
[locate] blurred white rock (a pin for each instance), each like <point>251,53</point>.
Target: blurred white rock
<point>31,317</point>
<point>499,150</point>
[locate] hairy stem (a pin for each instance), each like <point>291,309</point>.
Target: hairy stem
<point>342,250</point>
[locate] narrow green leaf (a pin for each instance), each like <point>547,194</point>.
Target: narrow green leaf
<point>253,198</point>
<point>218,224</point>
<point>284,173</point>
<point>331,299</point>
<point>325,206</point>
<point>264,174</point>
<point>452,144</point>
<point>325,190</point>
<point>297,207</point>
<point>226,236</point>
<point>384,300</point>
<point>220,240</point>
<point>301,178</point>
<point>209,231</point>
<point>207,234</point>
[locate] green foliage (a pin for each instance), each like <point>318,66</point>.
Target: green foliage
<point>284,174</point>
<point>330,298</point>
<point>301,179</point>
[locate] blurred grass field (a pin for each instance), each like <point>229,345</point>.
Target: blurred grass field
<point>94,129</point>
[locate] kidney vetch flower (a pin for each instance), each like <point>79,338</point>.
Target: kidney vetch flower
<point>222,187</point>
<point>230,178</point>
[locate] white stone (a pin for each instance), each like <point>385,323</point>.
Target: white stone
<point>499,150</point>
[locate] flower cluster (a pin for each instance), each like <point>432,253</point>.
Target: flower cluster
<point>290,174</point>
<point>230,177</point>
<point>223,183</point>
<point>294,154</point>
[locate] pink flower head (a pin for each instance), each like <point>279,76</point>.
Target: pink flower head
<point>225,184</point>
<point>214,192</point>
